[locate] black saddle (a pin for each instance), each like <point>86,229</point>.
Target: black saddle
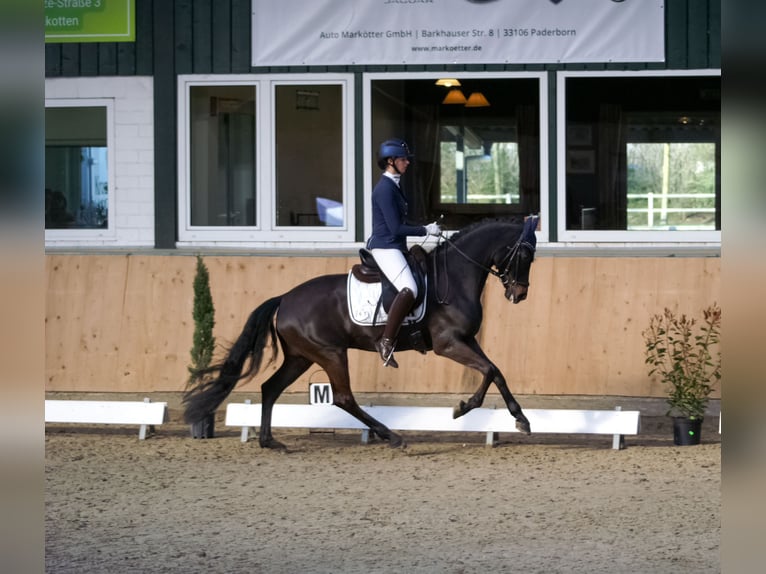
<point>368,272</point>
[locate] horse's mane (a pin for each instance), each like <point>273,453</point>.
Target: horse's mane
<point>477,224</point>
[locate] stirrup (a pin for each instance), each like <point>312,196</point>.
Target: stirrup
<point>390,361</point>
<point>385,347</point>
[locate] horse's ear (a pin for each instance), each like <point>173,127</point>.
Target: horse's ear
<point>535,218</point>
<point>530,226</point>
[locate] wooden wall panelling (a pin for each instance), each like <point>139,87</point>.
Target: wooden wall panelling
<point>70,59</point>
<point>714,33</point>
<point>202,51</point>
<point>53,60</point>
<point>218,36</point>
<point>88,64</point>
<point>165,149</point>
<point>124,322</point>
<point>699,36</point>
<point>157,324</point>
<point>183,40</point>
<point>579,332</point>
<point>126,58</point>
<point>241,40</point>
<point>220,24</point>
<point>84,305</point>
<point>144,37</point>
<point>107,59</point>
<point>676,33</point>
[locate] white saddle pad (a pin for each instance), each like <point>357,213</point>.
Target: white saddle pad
<point>363,299</point>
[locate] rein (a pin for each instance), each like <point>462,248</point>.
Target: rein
<point>502,275</point>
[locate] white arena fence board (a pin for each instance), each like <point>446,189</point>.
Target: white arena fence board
<point>490,421</point>
<point>140,413</point>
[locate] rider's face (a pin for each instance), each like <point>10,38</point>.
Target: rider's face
<point>401,163</point>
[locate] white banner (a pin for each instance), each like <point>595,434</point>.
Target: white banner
<point>345,32</point>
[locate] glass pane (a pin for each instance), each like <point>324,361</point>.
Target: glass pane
<point>223,190</point>
<point>643,153</point>
<point>470,162</point>
<point>671,186</point>
<point>475,177</point>
<point>76,169</point>
<point>309,155</point>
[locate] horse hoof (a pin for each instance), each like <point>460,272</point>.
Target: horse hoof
<point>273,444</point>
<point>523,426</point>
<point>396,441</point>
<point>459,410</point>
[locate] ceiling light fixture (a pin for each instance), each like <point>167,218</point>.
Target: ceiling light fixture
<point>448,82</point>
<point>454,96</point>
<point>476,100</point>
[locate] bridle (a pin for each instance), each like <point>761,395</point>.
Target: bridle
<point>509,281</point>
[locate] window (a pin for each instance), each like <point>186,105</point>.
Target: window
<point>267,159</point>
<point>222,166</point>
<point>471,161</point>
<point>78,197</point>
<point>640,157</point>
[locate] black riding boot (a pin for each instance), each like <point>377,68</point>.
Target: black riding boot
<point>400,306</point>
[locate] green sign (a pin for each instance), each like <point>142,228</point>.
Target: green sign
<point>90,21</point>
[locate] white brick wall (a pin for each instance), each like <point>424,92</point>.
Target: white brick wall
<point>133,155</point>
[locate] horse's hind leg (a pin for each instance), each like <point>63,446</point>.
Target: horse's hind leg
<point>336,367</point>
<point>292,368</point>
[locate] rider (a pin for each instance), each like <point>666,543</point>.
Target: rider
<point>388,242</point>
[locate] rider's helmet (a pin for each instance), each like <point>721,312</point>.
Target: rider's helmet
<point>393,148</point>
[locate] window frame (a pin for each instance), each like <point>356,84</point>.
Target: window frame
<point>265,232</point>
<point>369,150</point>
<point>643,237</point>
<point>92,234</point>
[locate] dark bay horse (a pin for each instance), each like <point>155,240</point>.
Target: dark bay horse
<point>313,325</point>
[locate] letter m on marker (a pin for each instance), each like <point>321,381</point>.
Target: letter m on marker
<point>320,394</point>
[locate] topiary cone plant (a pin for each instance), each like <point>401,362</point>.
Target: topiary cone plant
<point>685,353</point>
<point>203,346</point>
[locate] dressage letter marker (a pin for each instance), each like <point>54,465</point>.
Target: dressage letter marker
<point>320,394</point>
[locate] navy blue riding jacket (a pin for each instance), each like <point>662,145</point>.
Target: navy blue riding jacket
<point>389,208</point>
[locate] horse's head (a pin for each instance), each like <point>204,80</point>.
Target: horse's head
<point>514,266</point>
<point>515,273</point>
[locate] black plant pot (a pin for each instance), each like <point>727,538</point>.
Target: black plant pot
<point>686,431</point>
<point>204,428</point>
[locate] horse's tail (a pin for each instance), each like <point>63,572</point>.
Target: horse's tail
<point>210,386</point>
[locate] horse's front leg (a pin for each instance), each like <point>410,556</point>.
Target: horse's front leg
<point>470,354</point>
<point>477,399</point>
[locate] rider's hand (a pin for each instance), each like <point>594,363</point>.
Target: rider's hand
<point>433,229</point>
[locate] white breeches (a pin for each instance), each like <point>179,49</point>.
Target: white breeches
<point>394,265</point>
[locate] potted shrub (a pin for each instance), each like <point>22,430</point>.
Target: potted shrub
<point>203,346</point>
<point>685,354</point>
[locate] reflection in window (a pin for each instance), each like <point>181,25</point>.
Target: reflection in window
<point>222,166</point>
<point>76,170</point>
<point>479,174</point>
<point>309,155</point>
<point>643,153</point>
<point>470,162</point>
<point>671,186</point>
